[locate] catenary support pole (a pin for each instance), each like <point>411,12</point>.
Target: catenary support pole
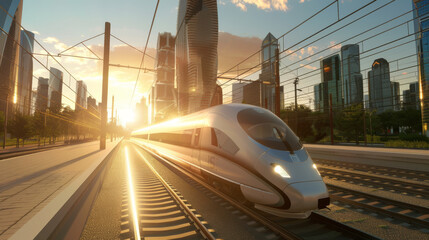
<point>277,105</point>
<point>105,86</point>
<point>331,119</point>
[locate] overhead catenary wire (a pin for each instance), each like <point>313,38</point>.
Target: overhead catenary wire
<point>401,15</point>
<point>144,52</point>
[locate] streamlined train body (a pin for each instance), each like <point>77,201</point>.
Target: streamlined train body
<point>247,150</point>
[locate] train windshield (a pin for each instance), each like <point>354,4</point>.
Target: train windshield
<point>268,130</point>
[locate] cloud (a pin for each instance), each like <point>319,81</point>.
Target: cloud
<point>222,2</point>
<point>50,40</point>
<point>310,50</point>
<point>262,4</point>
<point>233,49</point>
<point>308,67</point>
<point>35,32</point>
<point>334,46</point>
<point>301,1</point>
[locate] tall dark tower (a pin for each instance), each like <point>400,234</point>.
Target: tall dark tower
<point>9,52</point>
<point>421,24</point>
<point>196,54</point>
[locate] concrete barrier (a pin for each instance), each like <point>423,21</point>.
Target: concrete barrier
<point>399,158</point>
<point>44,223</point>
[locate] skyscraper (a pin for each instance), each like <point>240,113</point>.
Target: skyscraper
<point>330,85</point>
<point>396,96</point>
<point>267,76</point>
<point>411,97</point>
<point>25,74</point>
<point>55,89</point>
<point>196,54</point>
<point>352,78</point>
<point>237,92</point>
<point>165,94</point>
<point>81,91</point>
<point>421,25</point>
<point>379,87</point>
<point>9,51</point>
<point>42,95</point>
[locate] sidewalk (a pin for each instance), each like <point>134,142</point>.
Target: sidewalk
<point>12,149</point>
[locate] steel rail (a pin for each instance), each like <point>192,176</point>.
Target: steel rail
<point>200,226</point>
<point>264,220</point>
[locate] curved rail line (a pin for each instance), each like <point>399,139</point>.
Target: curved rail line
<point>408,213</point>
<point>419,190</point>
<point>316,226</point>
<point>160,211</point>
<point>380,170</point>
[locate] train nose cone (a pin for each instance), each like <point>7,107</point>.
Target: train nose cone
<point>304,196</point>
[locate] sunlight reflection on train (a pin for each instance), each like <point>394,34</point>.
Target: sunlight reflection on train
<point>175,122</point>
<point>132,197</point>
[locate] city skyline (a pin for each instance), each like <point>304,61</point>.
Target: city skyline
<point>233,39</point>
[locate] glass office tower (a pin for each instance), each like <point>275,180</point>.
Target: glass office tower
<point>421,24</point>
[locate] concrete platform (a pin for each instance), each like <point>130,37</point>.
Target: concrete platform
<point>28,184</point>
<point>412,159</point>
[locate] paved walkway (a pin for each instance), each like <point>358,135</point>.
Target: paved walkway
<point>30,182</point>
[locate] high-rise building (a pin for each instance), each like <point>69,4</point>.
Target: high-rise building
<point>252,93</point>
<point>267,76</point>
<point>330,85</point>
<point>421,25</point>
<point>196,54</point>
<point>366,101</point>
<point>411,97</point>
<point>217,96</point>
<point>92,106</point>
<point>42,94</point>
<point>81,92</point>
<point>141,114</point>
<point>352,78</point>
<point>237,92</point>
<point>379,87</point>
<point>55,89</point>
<point>396,96</point>
<point>165,94</point>
<point>33,102</point>
<point>25,73</point>
<point>9,51</point>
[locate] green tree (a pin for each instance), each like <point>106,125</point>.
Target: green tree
<point>2,119</point>
<point>20,127</point>
<point>350,122</point>
<point>305,120</point>
<point>38,126</point>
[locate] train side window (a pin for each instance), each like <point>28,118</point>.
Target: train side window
<point>214,138</point>
<point>224,142</point>
<point>197,136</point>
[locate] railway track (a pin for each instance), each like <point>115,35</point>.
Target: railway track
<point>379,170</point>
<point>379,182</point>
<point>153,209</point>
<point>315,227</point>
<point>416,217</point>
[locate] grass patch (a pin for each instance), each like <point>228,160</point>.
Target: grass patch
<point>407,144</point>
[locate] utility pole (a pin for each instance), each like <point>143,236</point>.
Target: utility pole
<point>278,83</point>
<point>364,126</point>
<point>296,105</point>
<point>331,119</point>
<point>5,120</point>
<point>113,129</point>
<point>105,85</point>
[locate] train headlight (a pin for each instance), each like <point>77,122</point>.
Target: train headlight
<point>315,167</point>
<point>281,171</point>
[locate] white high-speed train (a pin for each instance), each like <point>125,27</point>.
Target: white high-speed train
<point>246,150</point>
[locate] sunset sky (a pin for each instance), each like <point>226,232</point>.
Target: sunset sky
<point>59,24</point>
